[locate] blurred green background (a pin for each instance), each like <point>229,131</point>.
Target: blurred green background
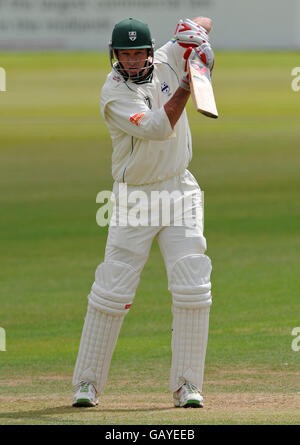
<point>55,156</point>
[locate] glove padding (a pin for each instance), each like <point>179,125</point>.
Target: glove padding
<point>190,34</point>
<point>185,81</point>
<point>206,54</point>
<point>203,53</point>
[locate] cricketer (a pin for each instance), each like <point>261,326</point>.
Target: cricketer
<point>143,104</point>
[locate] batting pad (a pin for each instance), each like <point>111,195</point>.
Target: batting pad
<point>190,282</point>
<point>109,301</point>
<point>99,336</point>
<point>114,288</point>
<point>190,286</point>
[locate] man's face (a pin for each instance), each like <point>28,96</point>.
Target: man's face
<point>133,60</point>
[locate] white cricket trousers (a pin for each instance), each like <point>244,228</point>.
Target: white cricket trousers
<point>116,279</point>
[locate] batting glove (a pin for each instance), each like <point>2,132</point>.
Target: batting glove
<point>203,53</point>
<point>185,81</point>
<point>190,34</point>
<point>206,54</point>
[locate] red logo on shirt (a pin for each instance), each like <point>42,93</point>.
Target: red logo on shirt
<point>136,118</point>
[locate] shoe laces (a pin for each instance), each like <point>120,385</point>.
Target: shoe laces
<point>84,386</point>
<point>191,387</point>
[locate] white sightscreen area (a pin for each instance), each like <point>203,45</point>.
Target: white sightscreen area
<point>87,24</point>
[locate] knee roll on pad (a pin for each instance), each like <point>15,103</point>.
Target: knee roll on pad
<point>190,282</point>
<point>114,287</point>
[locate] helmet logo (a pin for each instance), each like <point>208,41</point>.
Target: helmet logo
<point>132,35</point>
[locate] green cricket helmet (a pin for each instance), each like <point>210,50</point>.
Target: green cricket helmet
<point>131,34</point>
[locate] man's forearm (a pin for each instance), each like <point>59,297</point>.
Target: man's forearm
<point>175,106</point>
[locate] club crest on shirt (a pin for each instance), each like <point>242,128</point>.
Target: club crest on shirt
<point>165,87</point>
<point>117,78</point>
<point>132,35</point>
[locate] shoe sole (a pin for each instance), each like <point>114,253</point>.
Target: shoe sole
<point>84,403</point>
<point>190,404</point>
<point>193,404</point>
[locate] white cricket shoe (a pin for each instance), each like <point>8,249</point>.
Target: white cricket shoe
<point>188,396</point>
<point>85,395</point>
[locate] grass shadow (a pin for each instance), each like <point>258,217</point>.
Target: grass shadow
<point>40,415</point>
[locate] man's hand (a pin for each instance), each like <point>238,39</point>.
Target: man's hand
<point>206,54</point>
<point>185,81</point>
<point>203,21</point>
<point>203,53</point>
<point>190,34</point>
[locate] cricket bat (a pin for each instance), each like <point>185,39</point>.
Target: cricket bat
<point>201,89</point>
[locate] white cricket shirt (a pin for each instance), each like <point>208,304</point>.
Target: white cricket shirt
<point>145,148</point>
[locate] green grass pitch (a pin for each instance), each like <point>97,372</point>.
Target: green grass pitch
<point>55,157</point>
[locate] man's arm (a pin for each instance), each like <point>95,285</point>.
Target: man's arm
<point>134,118</point>
<point>175,106</point>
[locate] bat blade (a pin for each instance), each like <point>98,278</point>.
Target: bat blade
<point>201,89</point>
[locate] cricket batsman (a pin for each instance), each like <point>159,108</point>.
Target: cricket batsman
<point>143,104</point>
